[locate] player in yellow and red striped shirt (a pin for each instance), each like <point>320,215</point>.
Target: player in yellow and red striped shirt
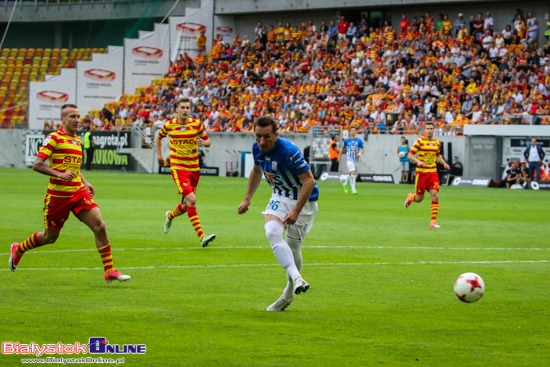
<point>68,192</point>
<point>186,135</point>
<point>425,153</point>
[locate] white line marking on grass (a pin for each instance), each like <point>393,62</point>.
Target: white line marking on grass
<point>266,247</point>
<point>313,264</point>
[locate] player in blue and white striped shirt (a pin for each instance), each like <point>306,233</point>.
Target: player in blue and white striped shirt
<point>293,204</point>
<point>353,147</point>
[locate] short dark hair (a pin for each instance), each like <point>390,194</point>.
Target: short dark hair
<point>265,121</point>
<point>182,100</point>
<point>430,123</point>
<point>68,105</point>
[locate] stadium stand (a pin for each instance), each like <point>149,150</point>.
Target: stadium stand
<point>378,78</point>
<point>19,66</point>
<point>374,78</point>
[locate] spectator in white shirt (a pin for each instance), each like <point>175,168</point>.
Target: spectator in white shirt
<point>488,23</point>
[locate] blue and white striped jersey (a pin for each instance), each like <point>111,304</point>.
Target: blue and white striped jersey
<point>281,167</point>
<point>353,146</point>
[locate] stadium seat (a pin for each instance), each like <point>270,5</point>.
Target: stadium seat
<point>27,60</point>
<point>38,52</point>
<point>11,91</point>
<point>43,69</point>
<point>36,60</point>
<point>19,60</point>
<point>30,52</point>
<point>10,60</point>
<point>47,52</point>
<point>5,52</point>
<point>22,52</point>
<point>33,76</point>
<point>5,83</point>
<point>13,52</point>
<point>18,68</point>
<point>55,52</point>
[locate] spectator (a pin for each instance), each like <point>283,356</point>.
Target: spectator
<point>459,24</point>
<point>534,155</point>
<point>343,27</point>
<point>532,36</point>
<point>488,23</point>
<point>514,176</point>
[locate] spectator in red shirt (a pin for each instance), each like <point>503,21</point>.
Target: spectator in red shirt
<point>270,80</point>
<point>343,26</point>
<point>404,23</point>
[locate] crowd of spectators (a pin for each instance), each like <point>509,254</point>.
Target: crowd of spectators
<point>375,77</point>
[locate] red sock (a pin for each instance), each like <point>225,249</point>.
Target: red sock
<point>106,257</point>
<point>176,212</point>
<point>29,244</point>
<point>195,221</point>
<point>435,210</point>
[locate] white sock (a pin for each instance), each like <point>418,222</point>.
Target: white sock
<point>296,247</point>
<point>346,181</point>
<point>353,182</point>
<point>274,232</point>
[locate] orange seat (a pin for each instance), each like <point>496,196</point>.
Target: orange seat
<point>38,52</point>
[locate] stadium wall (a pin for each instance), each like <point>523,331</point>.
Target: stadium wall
<point>380,151</point>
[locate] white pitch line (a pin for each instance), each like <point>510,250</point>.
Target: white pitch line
<point>313,264</point>
<point>304,247</point>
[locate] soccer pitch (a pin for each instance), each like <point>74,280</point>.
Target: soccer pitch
<point>381,279</point>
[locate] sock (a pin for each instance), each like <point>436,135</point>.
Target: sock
<point>195,221</point>
<point>106,257</point>
<point>413,198</point>
<point>353,178</point>
<point>346,181</point>
<point>29,244</point>
<point>435,210</point>
<point>177,212</point>
<point>296,248</point>
<point>274,232</point>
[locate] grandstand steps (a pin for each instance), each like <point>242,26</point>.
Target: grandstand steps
<point>145,157</point>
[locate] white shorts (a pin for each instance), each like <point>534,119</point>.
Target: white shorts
<point>279,206</point>
<point>351,166</point>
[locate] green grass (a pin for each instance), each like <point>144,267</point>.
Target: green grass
<point>381,279</point>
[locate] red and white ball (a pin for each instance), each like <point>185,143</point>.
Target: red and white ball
<point>469,287</point>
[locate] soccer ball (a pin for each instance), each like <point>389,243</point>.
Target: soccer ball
<point>469,287</point>
<point>402,154</point>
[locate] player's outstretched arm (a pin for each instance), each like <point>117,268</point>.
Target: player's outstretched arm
<point>40,166</point>
<point>308,183</point>
<point>158,146</point>
<point>253,183</point>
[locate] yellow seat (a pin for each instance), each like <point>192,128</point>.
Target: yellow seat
<point>5,52</point>
<point>13,52</point>
<point>47,52</point>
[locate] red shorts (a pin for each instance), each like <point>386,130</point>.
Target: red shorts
<point>186,181</point>
<point>426,181</point>
<point>57,209</point>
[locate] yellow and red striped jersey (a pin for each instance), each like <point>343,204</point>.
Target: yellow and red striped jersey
<point>427,151</point>
<point>64,153</point>
<point>184,150</point>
